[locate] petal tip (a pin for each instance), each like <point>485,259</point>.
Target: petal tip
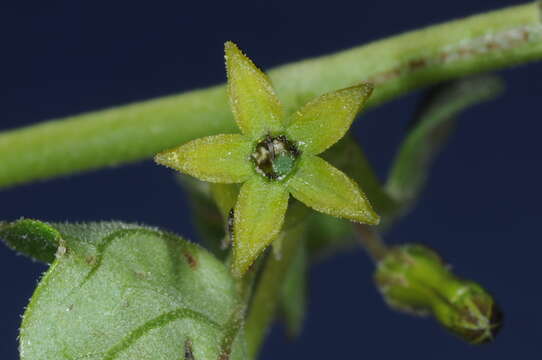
<point>232,50</point>
<point>373,219</point>
<point>229,46</point>
<point>166,158</point>
<point>368,217</point>
<point>363,90</point>
<point>237,57</point>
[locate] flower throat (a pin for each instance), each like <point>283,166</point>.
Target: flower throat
<point>275,157</point>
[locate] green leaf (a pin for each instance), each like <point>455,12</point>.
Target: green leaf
<point>293,299</point>
<point>324,120</point>
<point>432,129</point>
<point>220,158</point>
<point>259,214</point>
<point>254,104</point>
<point>33,238</point>
<point>121,291</point>
<point>326,189</point>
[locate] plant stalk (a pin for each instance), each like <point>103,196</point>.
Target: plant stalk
<point>266,297</point>
<point>371,242</point>
<point>395,65</point>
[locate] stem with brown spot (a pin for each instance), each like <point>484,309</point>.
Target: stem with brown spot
<point>396,65</point>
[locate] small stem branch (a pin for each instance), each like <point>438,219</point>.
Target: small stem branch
<point>371,241</point>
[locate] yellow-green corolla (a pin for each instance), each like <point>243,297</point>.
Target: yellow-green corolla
<point>275,156</point>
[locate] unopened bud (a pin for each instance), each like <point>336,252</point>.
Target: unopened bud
<point>413,278</point>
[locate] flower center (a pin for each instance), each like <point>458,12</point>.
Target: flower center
<point>275,156</point>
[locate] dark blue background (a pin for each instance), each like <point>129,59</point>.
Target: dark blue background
<point>481,209</point>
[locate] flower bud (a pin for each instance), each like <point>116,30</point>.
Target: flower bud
<point>413,278</point>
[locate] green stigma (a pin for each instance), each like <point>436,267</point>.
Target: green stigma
<point>275,157</point>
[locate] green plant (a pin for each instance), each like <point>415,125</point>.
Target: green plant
<point>115,290</point>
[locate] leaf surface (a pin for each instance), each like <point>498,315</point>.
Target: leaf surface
<point>32,238</point>
<point>121,291</point>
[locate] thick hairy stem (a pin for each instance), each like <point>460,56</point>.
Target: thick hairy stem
<point>396,65</point>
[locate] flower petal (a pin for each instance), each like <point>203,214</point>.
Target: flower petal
<point>254,104</point>
<point>325,188</point>
<point>220,158</point>
<point>323,121</point>
<point>258,217</point>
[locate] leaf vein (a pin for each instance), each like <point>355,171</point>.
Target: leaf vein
<point>155,323</point>
<point>108,240</point>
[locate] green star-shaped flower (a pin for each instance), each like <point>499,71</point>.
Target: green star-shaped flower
<point>275,156</point>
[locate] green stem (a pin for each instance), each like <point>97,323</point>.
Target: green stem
<point>245,287</point>
<point>396,65</point>
<point>371,241</point>
<point>235,322</point>
<point>266,297</point>
<point>429,132</point>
